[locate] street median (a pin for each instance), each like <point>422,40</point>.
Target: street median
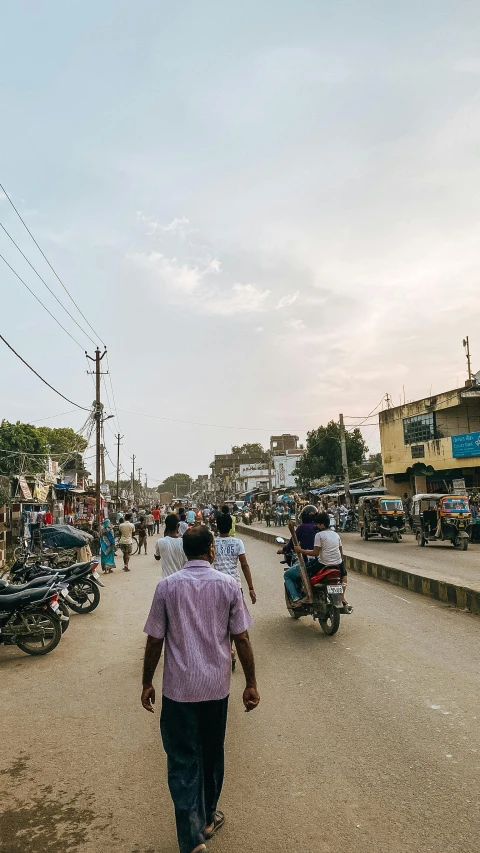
<point>447,592</point>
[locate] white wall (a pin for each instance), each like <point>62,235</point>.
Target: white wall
<point>284,467</point>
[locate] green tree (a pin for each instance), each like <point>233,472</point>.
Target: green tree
<point>374,466</point>
<point>323,457</point>
<point>255,449</point>
<point>178,484</point>
<point>62,440</point>
<point>19,438</point>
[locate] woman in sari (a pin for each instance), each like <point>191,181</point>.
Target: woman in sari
<point>107,547</point>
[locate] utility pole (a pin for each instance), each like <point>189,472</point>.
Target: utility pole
<point>102,456</point>
<point>119,438</point>
<point>98,408</point>
<point>133,480</point>
<point>343,446</point>
<point>139,485</point>
<point>466,344</point>
<point>270,490</point>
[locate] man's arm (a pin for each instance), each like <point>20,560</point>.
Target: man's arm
<point>313,553</point>
<point>248,576</point>
<point>153,652</point>
<point>244,649</point>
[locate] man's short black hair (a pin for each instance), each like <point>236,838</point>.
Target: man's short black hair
<point>322,518</point>
<point>225,510</point>
<point>224,523</point>
<point>128,516</point>
<point>171,523</point>
<point>197,542</point>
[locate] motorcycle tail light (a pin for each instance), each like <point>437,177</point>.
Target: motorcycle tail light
<point>54,598</point>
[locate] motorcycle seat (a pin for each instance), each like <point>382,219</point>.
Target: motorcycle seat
<point>29,596</point>
<point>44,580</point>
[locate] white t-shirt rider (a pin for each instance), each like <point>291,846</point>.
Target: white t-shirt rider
<point>329,543</point>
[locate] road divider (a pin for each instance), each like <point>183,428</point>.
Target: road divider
<point>448,592</point>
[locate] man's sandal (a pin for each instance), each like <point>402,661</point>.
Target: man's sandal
<point>218,821</point>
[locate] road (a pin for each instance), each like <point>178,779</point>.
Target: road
<point>367,741</point>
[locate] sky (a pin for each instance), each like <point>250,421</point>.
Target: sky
<point>269,213</point>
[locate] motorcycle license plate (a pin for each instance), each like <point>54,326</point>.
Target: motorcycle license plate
<point>335,590</point>
<point>96,575</point>
<point>54,606</point>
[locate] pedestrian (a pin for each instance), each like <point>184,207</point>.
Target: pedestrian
<point>142,535</point>
<point>48,517</point>
<point>267,512</point>
<point>169,549</point>
<point>107,547</point>
<point>150,523</point>
<point>183,526</point>
<point>190,516</point>
<point>127,530</point>
<point>196,682</point>
<point>229,551</point>
<point>156,517</point>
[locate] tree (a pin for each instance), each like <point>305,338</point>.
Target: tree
<point>62,440</point>
<point>323,457</point>
<point>178,484</point>
<point>255,449</point>
<point>374,466</point>
<point>19,438</point>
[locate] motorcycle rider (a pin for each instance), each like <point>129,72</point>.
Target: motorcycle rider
<point>306,532</point>
<point>327,550</point>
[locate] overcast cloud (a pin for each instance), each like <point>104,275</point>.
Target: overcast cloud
<point>268,211</point>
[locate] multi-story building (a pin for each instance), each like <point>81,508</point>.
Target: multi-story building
<point>280,444</point>
<point>432,444</point>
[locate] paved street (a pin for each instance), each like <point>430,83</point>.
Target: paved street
<point>368,741</point>
<point>439,560</point>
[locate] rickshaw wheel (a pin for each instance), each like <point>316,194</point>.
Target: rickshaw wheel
<point>461,543</point>
<point>420,539</point>
<point>395,536</point>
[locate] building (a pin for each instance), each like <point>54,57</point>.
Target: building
<point>226,472</point>
<point>252,476</point>
<point>280,444</point>
<point>432,445</point>
<point>285,454</point>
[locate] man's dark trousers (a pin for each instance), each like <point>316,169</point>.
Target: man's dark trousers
<point>193,735</point>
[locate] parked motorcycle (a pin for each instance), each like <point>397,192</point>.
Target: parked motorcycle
<point>8,588</point>
<point>82,580</point>
<point>29,619</point>
<point>326,594</point>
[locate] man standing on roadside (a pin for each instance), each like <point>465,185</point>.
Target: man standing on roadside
<point>126,529</point>
<point>196,682</point>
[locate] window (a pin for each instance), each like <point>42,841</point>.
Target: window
<point>419,428</point>
<point>391,506</point>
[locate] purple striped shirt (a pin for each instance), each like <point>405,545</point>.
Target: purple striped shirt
<point>195,610</point>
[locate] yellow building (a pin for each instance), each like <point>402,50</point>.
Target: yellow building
<point>428,444</point>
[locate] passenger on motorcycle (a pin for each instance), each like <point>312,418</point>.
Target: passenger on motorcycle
<point>327,551</point>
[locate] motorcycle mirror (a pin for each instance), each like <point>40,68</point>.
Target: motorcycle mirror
<point>280,540</point>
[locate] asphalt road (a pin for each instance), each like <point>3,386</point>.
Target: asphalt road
<point>367,741</point>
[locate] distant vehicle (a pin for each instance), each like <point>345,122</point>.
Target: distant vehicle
<point>442,518</point>
<point>381,515</point>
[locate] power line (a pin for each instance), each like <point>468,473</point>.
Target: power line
<point>41,303</point>
<point>47,286</point>
<point>197,423</point>
<point>50,265</point>
<point>41,377</point>
<point>60,415</point>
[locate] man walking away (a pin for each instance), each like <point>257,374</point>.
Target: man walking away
<point>170,549</point>
<point>267,513</point>
<point>142,535</point>
<point>156,517</point>
<point>127,530</point>
<point>150,523</point>
<point>196,682</point>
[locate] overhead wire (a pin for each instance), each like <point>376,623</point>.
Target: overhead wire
<point>50,265</point>
<point>47,286</point>
<point>42,304</point>
<point>77,405</point>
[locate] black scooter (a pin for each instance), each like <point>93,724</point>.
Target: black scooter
<point>29,619</point>
<point>82,580</point>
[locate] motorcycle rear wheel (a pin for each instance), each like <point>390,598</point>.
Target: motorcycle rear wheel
<point>331,624</point>
<point>52,634</point>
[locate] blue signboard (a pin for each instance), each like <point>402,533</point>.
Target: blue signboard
<point>467,444</point>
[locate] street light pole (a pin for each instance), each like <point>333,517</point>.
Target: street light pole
<point>119,437</point>
<point>343,446</point>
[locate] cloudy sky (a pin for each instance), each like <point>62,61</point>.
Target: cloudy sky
<point>268,211</point>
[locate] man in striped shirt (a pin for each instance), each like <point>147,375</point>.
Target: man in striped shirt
<point>193,613</point>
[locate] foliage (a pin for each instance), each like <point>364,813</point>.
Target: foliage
<point>178,484</point>
<point>62,440</point>
<point>374,465</point>
<point>24,438</point>
<point>323,457</point>
<point>254,449</point>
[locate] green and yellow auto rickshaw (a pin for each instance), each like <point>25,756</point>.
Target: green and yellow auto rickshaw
<point>381,515</point>
<point>442,518</point>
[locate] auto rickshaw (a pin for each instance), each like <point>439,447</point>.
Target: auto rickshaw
<point>381,515</point>
<point>442,518</point>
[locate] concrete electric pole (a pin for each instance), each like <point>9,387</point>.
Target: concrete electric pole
<point>343,446</point>
<point>98,431</point>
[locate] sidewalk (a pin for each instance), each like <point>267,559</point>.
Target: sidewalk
<point>438,571</point>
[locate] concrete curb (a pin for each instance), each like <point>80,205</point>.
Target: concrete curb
<point>449,593</point>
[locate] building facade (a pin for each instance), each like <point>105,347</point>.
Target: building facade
<point>432,444</point>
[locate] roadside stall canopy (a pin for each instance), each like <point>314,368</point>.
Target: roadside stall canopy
<point>64,536</point>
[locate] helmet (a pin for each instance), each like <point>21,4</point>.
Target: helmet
<point>307,513</point>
